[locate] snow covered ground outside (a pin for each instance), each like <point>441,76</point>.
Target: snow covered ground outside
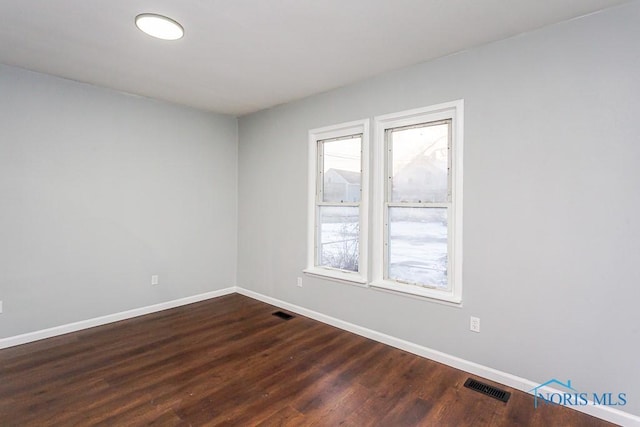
<point>417,244</point>
<point>339,237</point>
<point>418,253</point>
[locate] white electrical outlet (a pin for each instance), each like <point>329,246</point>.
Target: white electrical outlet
<point>0,306</point>
<point>154,279</point>
<point>299,282</point>
<point>474,324</point>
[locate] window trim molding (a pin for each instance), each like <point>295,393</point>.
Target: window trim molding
<point>335,131</point>
<point>454,110</point>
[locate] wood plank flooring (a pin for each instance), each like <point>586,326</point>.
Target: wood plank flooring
<point>229,362</point>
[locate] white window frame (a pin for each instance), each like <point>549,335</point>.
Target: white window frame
<point>330,132</point>
<point>450,110</point>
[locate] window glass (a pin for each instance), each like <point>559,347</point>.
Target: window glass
<point>339,233</point>
<point>417,246</point>
<point>341,170</point>
<point>420,163</point>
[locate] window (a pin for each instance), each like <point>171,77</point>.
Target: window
<point>338,208</point>
<point>418,202</point>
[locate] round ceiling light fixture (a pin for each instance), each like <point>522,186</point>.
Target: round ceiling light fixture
<point>159,26</point>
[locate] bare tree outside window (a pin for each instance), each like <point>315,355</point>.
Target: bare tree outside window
<point>340,235</point>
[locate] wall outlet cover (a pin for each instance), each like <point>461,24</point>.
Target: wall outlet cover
<point>474,324</point>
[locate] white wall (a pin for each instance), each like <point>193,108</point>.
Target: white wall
<point>98,191</point>
<point>551,199</point>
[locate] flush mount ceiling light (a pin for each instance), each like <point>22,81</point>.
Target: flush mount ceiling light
<point>159,26</point>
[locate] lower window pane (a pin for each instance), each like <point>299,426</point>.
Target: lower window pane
<point>338,237</point>
<point>417,251</point>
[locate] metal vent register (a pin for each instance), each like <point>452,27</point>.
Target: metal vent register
<point>487,389</point>
<point>283,315</point>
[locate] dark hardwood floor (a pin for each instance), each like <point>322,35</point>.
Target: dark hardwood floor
<point>228,361</point>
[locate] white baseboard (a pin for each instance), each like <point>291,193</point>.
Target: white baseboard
<point>603,412</point>
<point>103,320</point>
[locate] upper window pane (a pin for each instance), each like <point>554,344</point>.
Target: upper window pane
<point>341,170</point>
<point>420,166</point>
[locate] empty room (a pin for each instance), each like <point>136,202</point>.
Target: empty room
<point>330,213</point>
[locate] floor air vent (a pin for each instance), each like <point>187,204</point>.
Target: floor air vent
<point>487,389</point>
<point>282,315</point>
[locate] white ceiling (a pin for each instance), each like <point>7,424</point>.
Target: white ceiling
<point>240,56</point>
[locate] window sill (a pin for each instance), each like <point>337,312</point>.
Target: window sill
<point>336,275</point>
<point>440,297</point>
